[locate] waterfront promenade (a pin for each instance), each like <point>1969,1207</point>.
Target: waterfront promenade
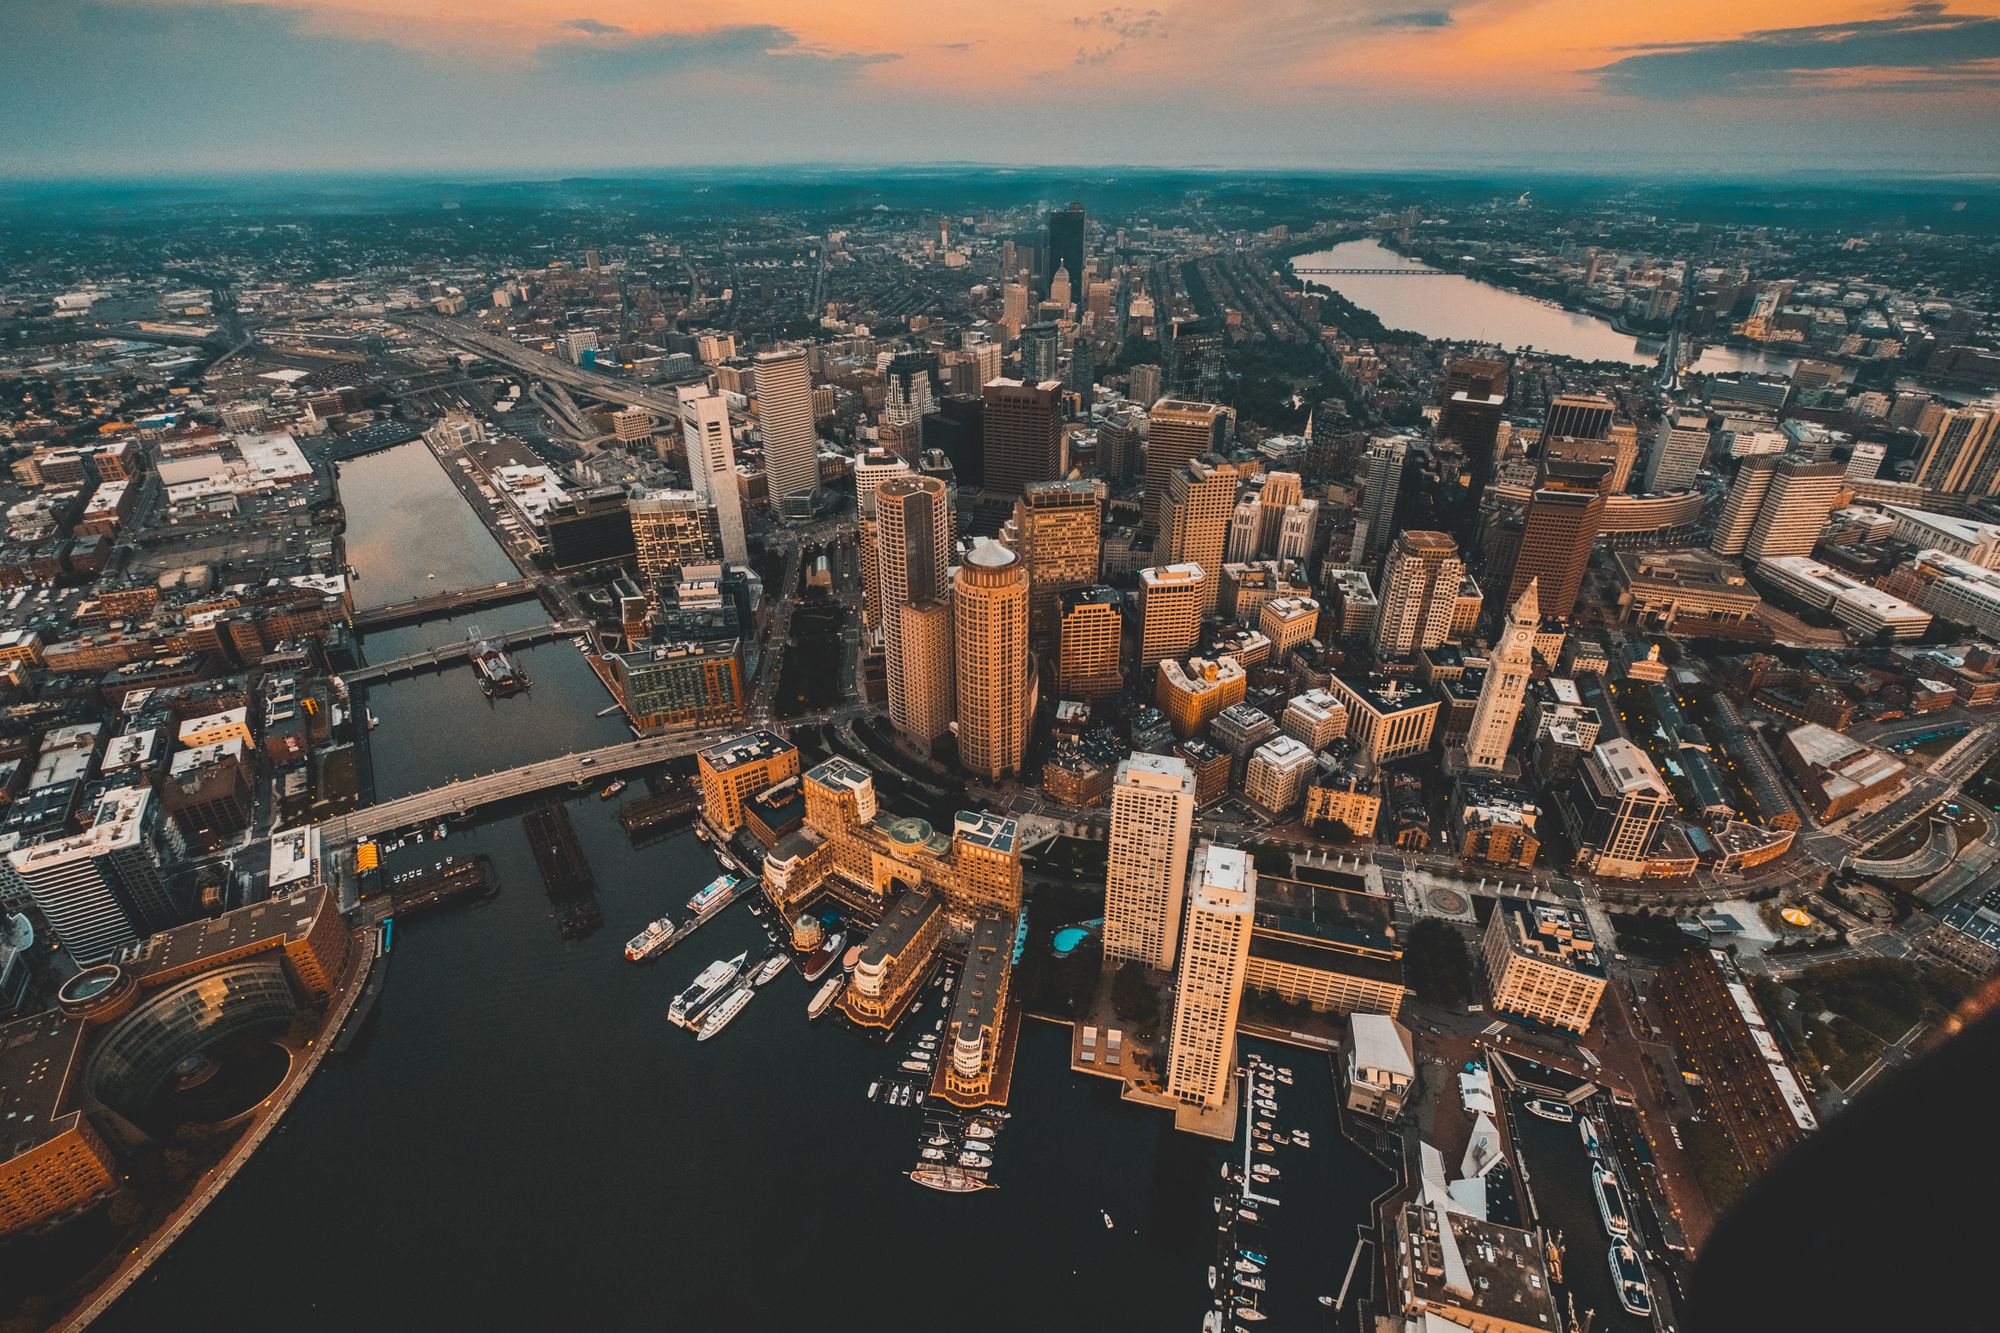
<point>223,1172</point>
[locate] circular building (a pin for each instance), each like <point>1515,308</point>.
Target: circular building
<point>137,1058</point>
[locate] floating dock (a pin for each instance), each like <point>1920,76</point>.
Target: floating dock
<point>566,873</point>
<point>649,814</point>
<point>455,879</point>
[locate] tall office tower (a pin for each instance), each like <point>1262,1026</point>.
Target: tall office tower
<point>1118,437</point>
<point>1041,352</point>
<point>1144,384</point>
<point>1564,516</point>
<point>675,528</point>
<point>1245,522</point>
<point>1962,454</point>
<point>1178,431</point>
<point>1280,492</point>
<point>913,531</point>
<point>924,633</point>
<point>791,444</point>
<point>1169,612</point>
<point>1083,374</point>
<point>1061,290</point>
<point>1580,416</point>
<point>1298,532</point>
<point>1794,511</point>
<point>1022,429</point>
<point>1194,363</point>
<point>1066,227</point>
<point>1331,443</point>
<point>1679,446</point>
<point>1508,670</point>
<point>1420,585</point>
<point>1477,376</point>
<point>1618,452</point>
<point>1215,957</point>
<point>1056,532</point>
<point>712,465</point>
<point>1381,480</point>
<point>1014,299</point>
<point>986,355</point>
<point>870,471</point>
<point>1746,497</point>
<point>990,643</point>
<point>1194,524</point>
<point>100,889</point>
<point>1090,639</point>
<point>1145,883</point>
<point>958,431</point>
<point>912,389</point>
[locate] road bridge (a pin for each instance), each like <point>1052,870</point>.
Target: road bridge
<point>463,599</point>
<point>1372,272</point>
<point>449,653</point>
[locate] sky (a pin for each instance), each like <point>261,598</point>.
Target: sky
<point>92,88</point>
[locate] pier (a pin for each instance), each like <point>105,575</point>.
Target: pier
<point>566,876</point>
<point>650,813</point>
<point>450,881</point>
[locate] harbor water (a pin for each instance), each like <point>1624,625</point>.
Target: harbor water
<point>1453,306</point>
<point>410,533</point>
<point>524,1141</point>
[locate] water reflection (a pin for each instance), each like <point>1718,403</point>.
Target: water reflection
<point>410,533</point>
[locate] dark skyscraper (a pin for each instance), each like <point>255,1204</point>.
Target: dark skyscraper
<point>1065,246</point>
<point>1561,525</point>
<point>1194,361</point>
<point>1023,432</point>
<point>957,430</point>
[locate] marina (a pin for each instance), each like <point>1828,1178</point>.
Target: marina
<point>454,879</point>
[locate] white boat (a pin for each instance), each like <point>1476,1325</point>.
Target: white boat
<point>1550,1109</point>
<point>1628,1281</point>
<point>773,965</point>
<point>1211,1277</point>
<point>647,943</point>
<point>1247,1214</point>
<point>933,1155</point>
<point>1266,1148</point>
<point>1251,1313</point>
<point>872,1088</point>
<point>713,894</point>
<point>1586,1129</point>
<point>1610,1201</point>
<point>1245,1266</point>
<point>1251,1282</point>
<point>975,1130</point>
<point>973,1159</point>
<point>1107,1220</point>
<point>1212,1321</point>
<point>939,1141</point>
<point>725,1013</point>
<point>1303,1139</point>
<point>917,1066</point>
<point>1264,1172</point>
<point>715,979</point>
<point>828,993</point>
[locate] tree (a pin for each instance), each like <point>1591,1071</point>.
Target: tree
<point>1133,998</point>
<point>1437,964</point>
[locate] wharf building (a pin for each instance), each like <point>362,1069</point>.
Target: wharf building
<point>1152,822</point>
<point>671,686</point>
<point>1380,1065</point>
<point>732,771</point>
<point>995,688</point>
<point>1326,942</point>
<point>1542,963</point>
<point>895,959</point>
<point>1090,642</point>
<point>1214,961</point>
<point>979,1033</point>
<point>1719,1033</point>
<point>71,1080</point>
<point>1388,718</point>
<point>1452,1270</point>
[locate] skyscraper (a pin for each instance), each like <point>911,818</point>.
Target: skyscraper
<point>1679,446</point>
<point>1281,490</point>
<point>1055,530</point>
<point>1022,427</point>
<point>1962,454</point>
<point>913,546</point>
<point>1179,431</point>
<point>1089,643</point>
<point>1214,958</point>
<point>911,382</point>
<point>1564,516</point>
<point>1169,612</point>
<point>990,644</point>
<point>791,444</point>
<point>1508,670</point>
<point>100,889</point>
<point>712,465</point>
<point>1582,416</point>
<point>1041,352</point>
<point>1152,820</point>
<point>1381,480</point>
<point>1194,362</point>
<point>1066,228</point>
<point>1014,299</point>
<point>1194,523</point>
<point>1746,497</point>
<point>671,529</point>
<point>1420,585</point>
<point>1795,508</point>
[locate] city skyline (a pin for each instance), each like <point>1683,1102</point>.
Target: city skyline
<point>408,86</point>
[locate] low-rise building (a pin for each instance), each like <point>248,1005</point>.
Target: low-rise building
<point>1381,1065</point>
<point>1837,772</point>
<point>1542,963</point>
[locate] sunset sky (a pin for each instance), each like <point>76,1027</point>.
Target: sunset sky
<point>97,87</point>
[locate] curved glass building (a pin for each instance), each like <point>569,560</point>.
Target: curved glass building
<point>137,1056</point>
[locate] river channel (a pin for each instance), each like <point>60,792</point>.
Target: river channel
<point>1455,307</point>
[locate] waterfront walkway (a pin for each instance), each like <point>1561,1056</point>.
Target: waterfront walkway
<point>225,1171</point>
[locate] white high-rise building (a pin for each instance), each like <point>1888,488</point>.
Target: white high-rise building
<point>1679,447</point>
<point>100,889</point>
<point>791,444</point>
<point>1508,670</point>
<point>712,465</point>
<point>1419,595</point>
<point>1152,820</point>
<point>1795,508</point>
<point>1215,957</point>
<point>1297,530</point>
<point>870,471</point>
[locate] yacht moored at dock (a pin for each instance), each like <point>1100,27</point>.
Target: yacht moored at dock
<point>950,1179</point>
<point>821,959</point>
<point>1586,1129</point>
<point>1550,1109</point>
<point>714,980</point>
<point>1610,1200</point>
<point>771,966</point>
<point>651,941</point>
<point>713,894</point>
<point>823,1001</point>
<point>723,1014</point>
<point>1628,1281</point>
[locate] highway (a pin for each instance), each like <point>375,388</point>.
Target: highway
<point>506,351</point>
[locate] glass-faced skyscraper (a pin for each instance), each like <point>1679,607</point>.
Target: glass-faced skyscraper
<point>1066,244</point>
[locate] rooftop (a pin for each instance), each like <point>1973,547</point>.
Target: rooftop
<point>39,1057</point>
<point>753,747</point>
<point>273,923</point>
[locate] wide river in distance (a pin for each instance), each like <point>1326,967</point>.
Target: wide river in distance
<point>1454,307</point>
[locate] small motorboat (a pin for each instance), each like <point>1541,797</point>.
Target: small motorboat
<point>1247,1214</point>
<point>1211,1277</point>
<point>1107,1220</point>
